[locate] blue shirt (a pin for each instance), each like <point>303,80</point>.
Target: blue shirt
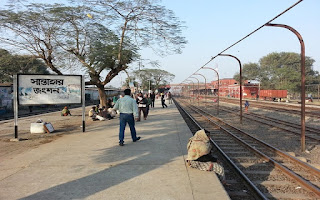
<point>127,105</point>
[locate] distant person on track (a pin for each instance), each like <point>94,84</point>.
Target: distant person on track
<point>65,111</point>
<point>246,106</point>
<point>199,155</point>
<point>128,109</point>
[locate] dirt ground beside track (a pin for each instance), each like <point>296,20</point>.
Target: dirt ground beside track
<point>62,125</point>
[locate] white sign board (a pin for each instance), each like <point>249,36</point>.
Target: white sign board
<point>49,89</point>
<point>176,90</point>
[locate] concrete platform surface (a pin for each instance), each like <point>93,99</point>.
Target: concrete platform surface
<point>92,165</point>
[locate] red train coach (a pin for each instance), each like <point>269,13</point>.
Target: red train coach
<point>273,94</point>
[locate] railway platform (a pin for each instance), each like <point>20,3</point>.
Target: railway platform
<point>92,165</point>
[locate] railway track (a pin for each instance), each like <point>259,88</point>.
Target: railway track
<point>10,117</point>
<point>310,112</point>
<point>312,134</point>
<point>3,119</point>
<point>273,173</point>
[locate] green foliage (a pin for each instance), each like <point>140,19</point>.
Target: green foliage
<point>155,77</point>
<point>13,64</point>
<point>281,71</point>
<point>148,23</point>
<point>97,36</point>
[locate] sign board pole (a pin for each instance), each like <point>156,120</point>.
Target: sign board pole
<point>15,105</point>
<point>83,105</point>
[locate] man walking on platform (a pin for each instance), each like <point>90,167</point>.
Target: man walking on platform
<point>128,109</point>
<point>153,98</point>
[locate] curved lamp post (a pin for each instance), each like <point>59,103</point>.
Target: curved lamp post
<point>218,86</point>
<point>184,89</point>
<point>303,82</point>
<point>181,85</point>
<point>187,90</point>
<point>192,86</point>
<point>240,82</point>
<point>198,87</point>
<point>205,86</point>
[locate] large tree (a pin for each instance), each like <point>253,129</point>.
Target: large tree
<point>281,71</point>
<point>154,77</point>
<point>47,31</point>
<point>94,46</point>
<point>33,30</point>
<point>12,64</point>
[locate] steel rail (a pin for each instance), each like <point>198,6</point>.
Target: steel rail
<point>278,121</point>
<point>291,174</point>
<point>276,150</point>
<point>258,193</point>
<point>277,108</point>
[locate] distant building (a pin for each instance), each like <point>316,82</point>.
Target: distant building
<point>229,87</point>
<point>6,90</point>
<point>92,93</point>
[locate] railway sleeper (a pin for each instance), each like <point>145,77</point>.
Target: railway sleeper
<point>288,189</point>
<point>257,167</point>
<point>234,154</point>
<point>240,195</point>
<point>287,196</point>
<point>247,160</point>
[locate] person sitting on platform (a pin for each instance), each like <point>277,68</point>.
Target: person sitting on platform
<point>93,114</point>
<point>199,155</point>
<point>65,111</point>
<point>103,112</point>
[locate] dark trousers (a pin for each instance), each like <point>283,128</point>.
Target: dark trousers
<point>144,111</point>
<point>152,103</point>
<point>124,119</point>
<point>163,103</point>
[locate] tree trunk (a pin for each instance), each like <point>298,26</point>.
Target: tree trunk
<point>102,95</point>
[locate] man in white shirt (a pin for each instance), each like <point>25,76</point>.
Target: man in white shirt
<point>128,109</point>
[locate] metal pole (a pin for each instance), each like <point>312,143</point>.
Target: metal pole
<point>240,83</point>
<point>259,91</point>
<point>15,105</point>
<point>205,88</point>
<point>198,87</point>
<point>218,87</point>
<point>303,81</point>
<point>192,88</point>
<point>318,93</point>
<point>83,94</point>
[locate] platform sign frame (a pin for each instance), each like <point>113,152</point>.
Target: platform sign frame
<point>39,89</point>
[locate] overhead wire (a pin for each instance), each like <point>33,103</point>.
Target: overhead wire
<point>247,36</point>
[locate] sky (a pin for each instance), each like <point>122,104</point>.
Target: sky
<point>212,26</point>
